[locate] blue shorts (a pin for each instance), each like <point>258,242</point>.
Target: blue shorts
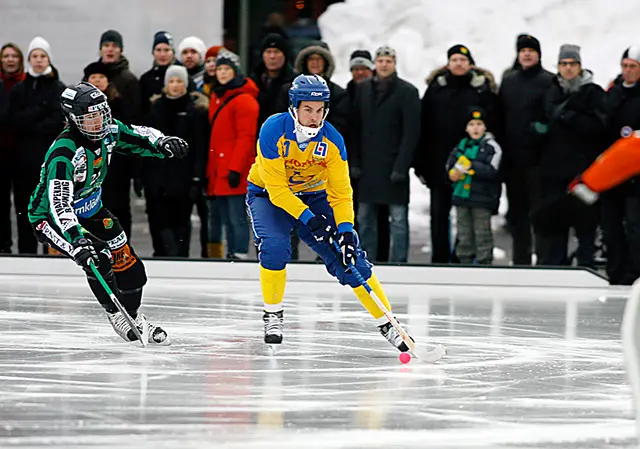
<point>272,235</point>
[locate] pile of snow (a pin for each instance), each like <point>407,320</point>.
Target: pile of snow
<point>422,30</point>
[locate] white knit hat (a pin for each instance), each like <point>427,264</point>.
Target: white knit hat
<point>192,42</point>
<point>39,43</point>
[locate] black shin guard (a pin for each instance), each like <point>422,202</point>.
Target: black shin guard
<point>130,300</point>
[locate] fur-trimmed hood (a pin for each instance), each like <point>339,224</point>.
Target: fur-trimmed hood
<point>478,77</point>
<point>319,48</point>
<point>200,100</point>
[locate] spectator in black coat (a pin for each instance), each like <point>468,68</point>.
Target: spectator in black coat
<point>620,217</point>
<point>386,130</point>
<point>521,103</point>
<point>575,114</point>
<point>451,91</point>
<point>111,47</point>
<point>11,73</point>
<point>152,81</point>
<point>172,187</point>
<point>116,189</point>
<point>36,118</point>
<point>362,66</point>
<point>271,74</point>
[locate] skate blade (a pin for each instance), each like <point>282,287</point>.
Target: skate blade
<point>145,332</point>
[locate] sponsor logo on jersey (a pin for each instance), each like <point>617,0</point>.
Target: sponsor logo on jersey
<point>54,237</point>
<point>152,134</point>
<point>626,131</point>
<point>97,162</point>
<point>107,223</point>
<point>61,197</point>
<point>297,178</point>
<point>79,162</point>
<point>88,206</point>
<point>321,149</point>
<point>123,259</point>
<point>118,242</point>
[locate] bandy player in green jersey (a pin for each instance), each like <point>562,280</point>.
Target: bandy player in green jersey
<point>66,209</point>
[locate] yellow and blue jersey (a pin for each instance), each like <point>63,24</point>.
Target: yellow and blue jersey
<point>286,169</point>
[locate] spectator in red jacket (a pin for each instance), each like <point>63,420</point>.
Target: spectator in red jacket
<point>233,115</point>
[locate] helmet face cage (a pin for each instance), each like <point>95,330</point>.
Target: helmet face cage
<point>94,124</point>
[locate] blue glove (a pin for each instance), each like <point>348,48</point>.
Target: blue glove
<point>348,247</point>
<point>322,230</point>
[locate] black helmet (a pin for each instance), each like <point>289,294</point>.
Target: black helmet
<point>84,105</point>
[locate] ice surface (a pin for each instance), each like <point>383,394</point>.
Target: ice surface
<point>526,368</point>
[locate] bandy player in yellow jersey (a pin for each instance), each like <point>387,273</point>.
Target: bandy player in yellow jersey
<point>301,176</point>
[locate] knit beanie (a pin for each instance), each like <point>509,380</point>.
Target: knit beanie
<point>97,67</point>
<point>39,43</point>
<point>528,41</point>
<point>386,50</point>
<point>213,52</point>
<point>361,58</point>
<point>477,113</point>
<point>569,51</point>
<point>194,43</point>
<point>460,50</point>
<point>111,36</point>
<point>274,40</point>
<point>226,57</point>
<point>162,37</point>
<point>632,52</point>
<point>176,71</point>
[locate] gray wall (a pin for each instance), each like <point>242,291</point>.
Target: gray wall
<point>73,27</point>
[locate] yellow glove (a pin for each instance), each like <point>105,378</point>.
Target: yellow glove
<point>463,165</point>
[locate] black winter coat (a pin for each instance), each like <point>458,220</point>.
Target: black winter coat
<point>385,134</point>
<point>36,118</point>
<point>269,90</point>
<point>623,115</point>
<point>184,117</point>
<point>151,83</point>
<point>521,101</point>
<point>576,129</point>
<point>485,180</point>
<point>445,113</point>
<point>127,85</point>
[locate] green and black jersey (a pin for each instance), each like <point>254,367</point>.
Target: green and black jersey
<point>72,175</point>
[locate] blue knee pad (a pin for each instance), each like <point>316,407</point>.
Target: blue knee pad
<point>274,253</point>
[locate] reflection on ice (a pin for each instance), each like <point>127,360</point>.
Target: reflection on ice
<point>525,368</point>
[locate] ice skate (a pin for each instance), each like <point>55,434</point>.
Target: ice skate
<point>273,324</point>
<point>157,335</point>
<point>391,334</point>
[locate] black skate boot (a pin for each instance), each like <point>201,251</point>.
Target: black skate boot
<point>391,334</point>
<point>273,324</point>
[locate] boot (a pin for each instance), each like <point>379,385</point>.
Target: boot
<point>215,250</point>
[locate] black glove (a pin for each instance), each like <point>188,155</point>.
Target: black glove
<point>172,146</point>
<point>348,246</point>
<point>321,229</point>
<point>397,177</point>
<point>233,179</point>
<point>355,172</point>
<point>83,252</point>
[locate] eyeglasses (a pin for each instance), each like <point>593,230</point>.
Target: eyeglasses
<point>568,63</point>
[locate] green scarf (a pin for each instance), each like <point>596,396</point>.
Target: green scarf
<point>468,148</point>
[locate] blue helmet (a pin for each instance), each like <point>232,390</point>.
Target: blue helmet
<point>308,88</point>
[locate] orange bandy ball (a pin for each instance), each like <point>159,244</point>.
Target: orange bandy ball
<point>405,357</point>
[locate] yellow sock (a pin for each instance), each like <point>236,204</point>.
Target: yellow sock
<point>273,283</point>
<point>369,303</point>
